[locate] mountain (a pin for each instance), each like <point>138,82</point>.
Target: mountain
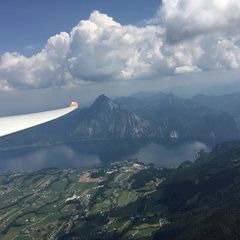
<point>156,116</point>
<point>138,103</point>
<point>203,198</point>
<point>229,103</point>
<point>104,119</point>
<point>178,117</point>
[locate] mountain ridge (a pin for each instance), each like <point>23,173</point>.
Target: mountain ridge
<point>163,116</point>
<point>186,117</point>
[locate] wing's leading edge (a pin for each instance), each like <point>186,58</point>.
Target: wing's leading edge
<point>13,124</point>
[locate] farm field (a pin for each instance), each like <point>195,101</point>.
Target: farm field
<point>52,203</point>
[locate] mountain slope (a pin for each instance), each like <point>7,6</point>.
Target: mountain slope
<point>158,116</point>
<point>104,119</point>
<point>173,116</point>
<point>203,199</point>
<point>229,103</point>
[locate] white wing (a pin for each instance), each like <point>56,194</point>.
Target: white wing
<point>18,123</point>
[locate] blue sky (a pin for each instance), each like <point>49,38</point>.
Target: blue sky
<point>27,24</point>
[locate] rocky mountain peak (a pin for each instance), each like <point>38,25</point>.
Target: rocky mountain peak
<point>103,102</point>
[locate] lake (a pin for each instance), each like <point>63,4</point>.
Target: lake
<point>84,155</point>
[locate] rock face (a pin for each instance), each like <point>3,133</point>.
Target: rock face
<point>176,117</point>
<point>106,119</point>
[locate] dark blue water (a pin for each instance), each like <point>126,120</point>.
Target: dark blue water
<point>84,155</point>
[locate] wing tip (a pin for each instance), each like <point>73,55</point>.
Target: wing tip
<point>74,104</point>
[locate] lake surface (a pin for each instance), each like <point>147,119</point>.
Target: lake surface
<point>84,155</point>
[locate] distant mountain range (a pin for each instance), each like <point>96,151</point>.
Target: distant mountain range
<point>104,119</point>
<point>138,116</point>
<point>229,103</point>
<point>177,117</point>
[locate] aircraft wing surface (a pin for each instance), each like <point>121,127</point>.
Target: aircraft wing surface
<point>13,124</point>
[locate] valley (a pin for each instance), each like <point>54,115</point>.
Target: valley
<point>51,203</point>
<point>126,200</point>
<point>120,120</point>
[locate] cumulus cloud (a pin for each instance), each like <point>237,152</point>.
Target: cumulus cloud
<point>185,36</point>
<point>42,70</point>
<point>103,49</point>
<point>185,19</point>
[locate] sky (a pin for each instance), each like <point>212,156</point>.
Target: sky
<point>27,24</point>
<point>55,50</point>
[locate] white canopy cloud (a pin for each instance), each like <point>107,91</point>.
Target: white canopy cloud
<point>185,36</point>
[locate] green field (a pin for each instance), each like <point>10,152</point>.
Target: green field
<point>48,203</point>
<point>126,197</point>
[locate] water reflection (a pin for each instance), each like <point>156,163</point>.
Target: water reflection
<point>169,156</point>
<point>92,154</point>
<point>61,156</point>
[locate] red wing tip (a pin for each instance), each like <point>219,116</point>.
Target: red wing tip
<point>74,104</point>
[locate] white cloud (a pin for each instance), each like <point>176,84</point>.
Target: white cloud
<point>102,49</point>
<point>186,18</point>
<point>186,36</point>
<point>42,70</point>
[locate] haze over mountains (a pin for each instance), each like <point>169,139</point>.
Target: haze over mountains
<point>177,117</point>
<point>229,103</point>
<point>141,116</point>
